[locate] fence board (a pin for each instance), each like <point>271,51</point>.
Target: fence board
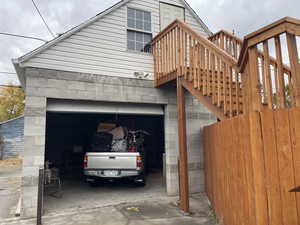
<point>286,170</point>
<point>258,164</point>
<point>272,170</point>
<point>295,139</point>
<point>251,163</point>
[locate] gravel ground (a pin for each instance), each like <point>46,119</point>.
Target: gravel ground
<point>9,189</point>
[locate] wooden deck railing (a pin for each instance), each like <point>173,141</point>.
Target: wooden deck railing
<point>228,42</point>
<point>180,51</point>
<point>269,82</point>
<point>257,80</point>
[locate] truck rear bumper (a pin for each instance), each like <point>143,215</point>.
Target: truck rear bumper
<point>112,173</point>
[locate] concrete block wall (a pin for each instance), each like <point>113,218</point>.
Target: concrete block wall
<point>42,84</point>
<point>197,116</point>
<point>34,152</point>
<point>12,132</point>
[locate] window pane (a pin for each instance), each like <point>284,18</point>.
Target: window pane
<point>148,48</point>
<point>131,45</point>
<point>131,13</point>
<point>147,26</point>
<point>139,24</point>
<point>131,23</point>
<point>139,15</point>
<point>139,46</point>
<point>139,19</point>
<point>131,35</point>
<point>147,38</point>
<point>147,17</point>
<point>139,37</point>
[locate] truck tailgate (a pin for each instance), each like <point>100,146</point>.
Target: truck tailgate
<point>112,160</point>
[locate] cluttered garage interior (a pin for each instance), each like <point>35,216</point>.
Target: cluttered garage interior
<point>93,150</point>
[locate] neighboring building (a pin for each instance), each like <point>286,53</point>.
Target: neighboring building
<point>12,132</point>
<point>89,74</point>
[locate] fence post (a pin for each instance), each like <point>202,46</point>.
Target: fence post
<point>295,66</point>
<point>40,197</point>
<point>253,83</point>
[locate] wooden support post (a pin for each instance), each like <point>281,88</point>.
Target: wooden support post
<point>295,66</point>
<point>254,83</point>
<point>280,73</point>
<point>183,166</point>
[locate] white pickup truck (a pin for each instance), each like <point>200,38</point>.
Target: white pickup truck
<point>111,159</point>
<point>114,165</point>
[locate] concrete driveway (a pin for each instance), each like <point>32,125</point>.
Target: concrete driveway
<point>9,190</point>
<point>149,212</point>
<point>77,194</point>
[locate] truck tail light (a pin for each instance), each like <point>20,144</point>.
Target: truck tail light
<point>85,161</point>
<point>139,162</point>
<point>132,148</point>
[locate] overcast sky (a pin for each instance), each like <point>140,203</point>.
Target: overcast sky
<point>20,17</point>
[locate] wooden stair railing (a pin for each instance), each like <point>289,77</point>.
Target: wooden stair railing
<point>210,71</point>
<point>207,70</point>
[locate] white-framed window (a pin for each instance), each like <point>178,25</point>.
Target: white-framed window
<point>139,30</point>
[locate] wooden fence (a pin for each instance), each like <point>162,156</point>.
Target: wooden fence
<point>252,161</point>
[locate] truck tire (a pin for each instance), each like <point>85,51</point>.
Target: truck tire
<point>94,183</point>
<point>140,181</point>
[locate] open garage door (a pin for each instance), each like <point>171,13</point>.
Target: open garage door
<point>69,128</point>
<point>70,106</point>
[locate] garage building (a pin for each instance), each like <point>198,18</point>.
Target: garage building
<point>98,72</point>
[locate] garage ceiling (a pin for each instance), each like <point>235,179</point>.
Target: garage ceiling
<point>69,106</point>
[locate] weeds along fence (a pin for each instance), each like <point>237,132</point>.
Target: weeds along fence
<point>252,162</point>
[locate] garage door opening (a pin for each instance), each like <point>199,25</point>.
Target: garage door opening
<point>68,138</point>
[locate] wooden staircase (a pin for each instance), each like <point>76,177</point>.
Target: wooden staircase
<point>228,75</point>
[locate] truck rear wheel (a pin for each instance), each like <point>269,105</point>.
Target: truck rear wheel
<point>140,181</point>
<point>93,183</point>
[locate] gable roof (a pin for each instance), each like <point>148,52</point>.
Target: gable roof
<point>90,21</point>
<point>21,71</point>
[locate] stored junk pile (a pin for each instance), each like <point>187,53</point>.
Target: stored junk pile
<point>110,138</point>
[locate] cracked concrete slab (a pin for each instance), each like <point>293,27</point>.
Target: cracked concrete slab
<point>146,212</point>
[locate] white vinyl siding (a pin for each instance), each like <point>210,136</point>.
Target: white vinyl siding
<point>101,48</point>
<point>168,13</point>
